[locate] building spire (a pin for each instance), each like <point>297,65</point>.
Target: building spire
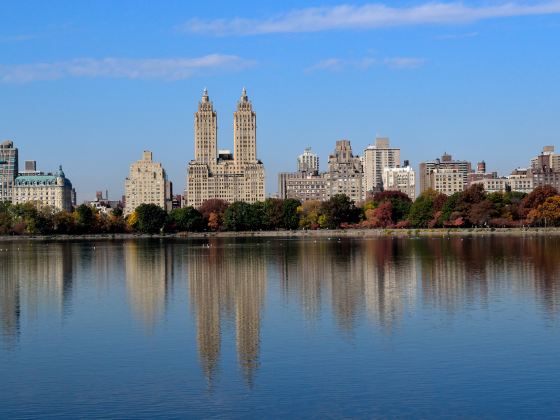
<point>244,93</point>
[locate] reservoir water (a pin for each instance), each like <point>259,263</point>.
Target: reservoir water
<point>276,328</point>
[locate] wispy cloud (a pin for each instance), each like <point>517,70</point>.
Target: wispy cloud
<point>124,68</point>
<point>8,39</point>
<point>457,36</point>
<point>339,64</point>
<point>402,63</point>
<point>368,16</point>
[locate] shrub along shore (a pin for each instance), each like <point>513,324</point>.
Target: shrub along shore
<point>472,211</point>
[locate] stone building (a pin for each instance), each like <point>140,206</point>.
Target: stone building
<point>308,162</point>
<point>302,186</point>
<point>8,170</point>
<point>447,181</point>
<point>231,177</point>
<point>377,157</point>
<point>345,174</point>
<point>147,184</point>
<point>44,190</point>
<point>462,167</point>
<point>400,179</point>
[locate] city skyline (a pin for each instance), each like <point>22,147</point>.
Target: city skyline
<point>99,84</point>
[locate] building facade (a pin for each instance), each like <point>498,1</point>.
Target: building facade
<point>231,177</point>
<point>400,179</point>
<point>147,184</point>
<point>345,174</point>
<point>462,167</point>
<point>9,168</point>
<point>308,162</point>
<point>302,186</point>
<point>447,181</point>
<point>44,190</point>
<point>377,157</point>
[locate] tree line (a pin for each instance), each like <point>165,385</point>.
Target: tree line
<point>472,207</point>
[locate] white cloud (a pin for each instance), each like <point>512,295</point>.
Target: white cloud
<point>368,16</point>
<point>401,63</point>
<point>8,39</point>
<point>338,64</point>
<point>125,68</point>
<point>458,36</point>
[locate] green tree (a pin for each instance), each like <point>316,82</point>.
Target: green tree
<point>187,219</point>
<point>337,210</point>
<point>290,215</point>
<point>241,216</point>
<point>85,218</point>
<point>151,218</point>
<point>272,213</point>
<point>423,210</point>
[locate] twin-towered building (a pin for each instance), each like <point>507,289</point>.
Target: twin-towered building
<point>217,173</point>
<point>213,173</point>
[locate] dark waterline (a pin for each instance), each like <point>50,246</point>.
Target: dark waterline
<point>231,327</point>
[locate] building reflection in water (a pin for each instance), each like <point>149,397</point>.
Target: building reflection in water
<point>36,279</point>
<point>381,279</point>
<point>227,281</point>
<point>148,271</point>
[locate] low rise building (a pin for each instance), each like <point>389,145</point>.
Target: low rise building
<point>44,190</point>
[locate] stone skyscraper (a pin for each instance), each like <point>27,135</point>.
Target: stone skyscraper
<point>147,184</point>
<point>308,162</point>
<point>376,158</point>
<point>205,132</point>
<point>220,175</point>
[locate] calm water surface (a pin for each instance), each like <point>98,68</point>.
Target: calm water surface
<point>281,328</point>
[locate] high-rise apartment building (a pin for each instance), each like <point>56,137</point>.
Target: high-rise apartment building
<point>545,168</point>
<point>446,162</point>
<point>377,157</point>
<point>44,190</point>
<point>345,174</point>
<point>230,177</point>
<point>400,179</point>
<point>548,159</point>
<point>308,161</point>
<point>8,170</point>
<point>147,184</point>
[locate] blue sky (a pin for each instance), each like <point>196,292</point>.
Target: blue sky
<point>90,85</point>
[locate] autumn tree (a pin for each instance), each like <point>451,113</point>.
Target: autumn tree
<point>536,197</point>
<point>548,213</point>
<point>213,211</point>
<point>309,213</point>
<point>400,203</point>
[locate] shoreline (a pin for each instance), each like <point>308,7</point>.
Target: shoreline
<point>349,233</point>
